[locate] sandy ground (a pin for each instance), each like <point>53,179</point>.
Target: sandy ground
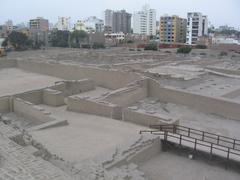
<point>216,86</point>
<point>168,166</point>
<point>208,85</point>
<point>13,81</point>
<point>86,136</point>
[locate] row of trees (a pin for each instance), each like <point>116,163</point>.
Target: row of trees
<point>20,41</point>
<point>67,39</point>
<point>181,50</point>
<point>17,40</point>
<point>75,39</point>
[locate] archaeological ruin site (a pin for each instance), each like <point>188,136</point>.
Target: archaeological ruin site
<point>115,114</point>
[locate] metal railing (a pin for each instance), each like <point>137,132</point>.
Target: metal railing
<point>197,138</point>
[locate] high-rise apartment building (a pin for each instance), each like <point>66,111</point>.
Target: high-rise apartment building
<point>197,26</point>
<point>108,19</point>
<point>120,21</point>
<point>144,22</point>
<point>173,29</point>
<point>140,23</point>
<point>63,23</point>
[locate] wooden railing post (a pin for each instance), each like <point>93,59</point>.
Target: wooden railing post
<point>195,145</point>
<point>165,135</point>
<point>228,153</point>
<point>180,141</point>
<point>234,143</point>
<point>211,150</point>
<point>189,132</point>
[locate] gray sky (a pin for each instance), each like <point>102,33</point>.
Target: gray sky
<point>220,12</point>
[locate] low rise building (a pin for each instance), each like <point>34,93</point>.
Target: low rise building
<point>115,36</point>
<point>107,29</point>
<point>224,40</point>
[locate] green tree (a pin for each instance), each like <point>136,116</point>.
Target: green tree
<point>38,44</point>
<point>78,37</point>
<point>18,40</point>
<point>5,43</point>
<point>151,46</point>
<point>60,38</point>
<point>29,43</point>
<point>184,50</point>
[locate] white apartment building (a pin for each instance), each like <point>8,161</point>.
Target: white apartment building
<point>144,22</point>
<point>140,23</point>
<point>63,23</point>
<point>94,24</point>
<point>197,26</point>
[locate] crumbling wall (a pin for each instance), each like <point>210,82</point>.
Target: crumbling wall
<point>73,87</point>
<point>218,106</point>
<point>53,97</point>
<point>110,79</point>
<point>137,152</point>
<point>35,97</point>
<point>31,111</point>
<point>145,119</point>
<point>129,95</point>
<point>82,105</point>
<point>5,104</point>
<point>59,86</point>
<point>79,86</point>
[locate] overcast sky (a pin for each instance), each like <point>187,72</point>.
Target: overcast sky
<point>220,12</point>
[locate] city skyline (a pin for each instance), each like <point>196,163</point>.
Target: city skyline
<point>27,9</point>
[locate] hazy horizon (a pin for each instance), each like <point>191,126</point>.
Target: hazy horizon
<point>219,13</point>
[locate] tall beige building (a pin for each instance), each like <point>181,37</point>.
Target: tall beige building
<point>39,24</point>
<point>39,29</point>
